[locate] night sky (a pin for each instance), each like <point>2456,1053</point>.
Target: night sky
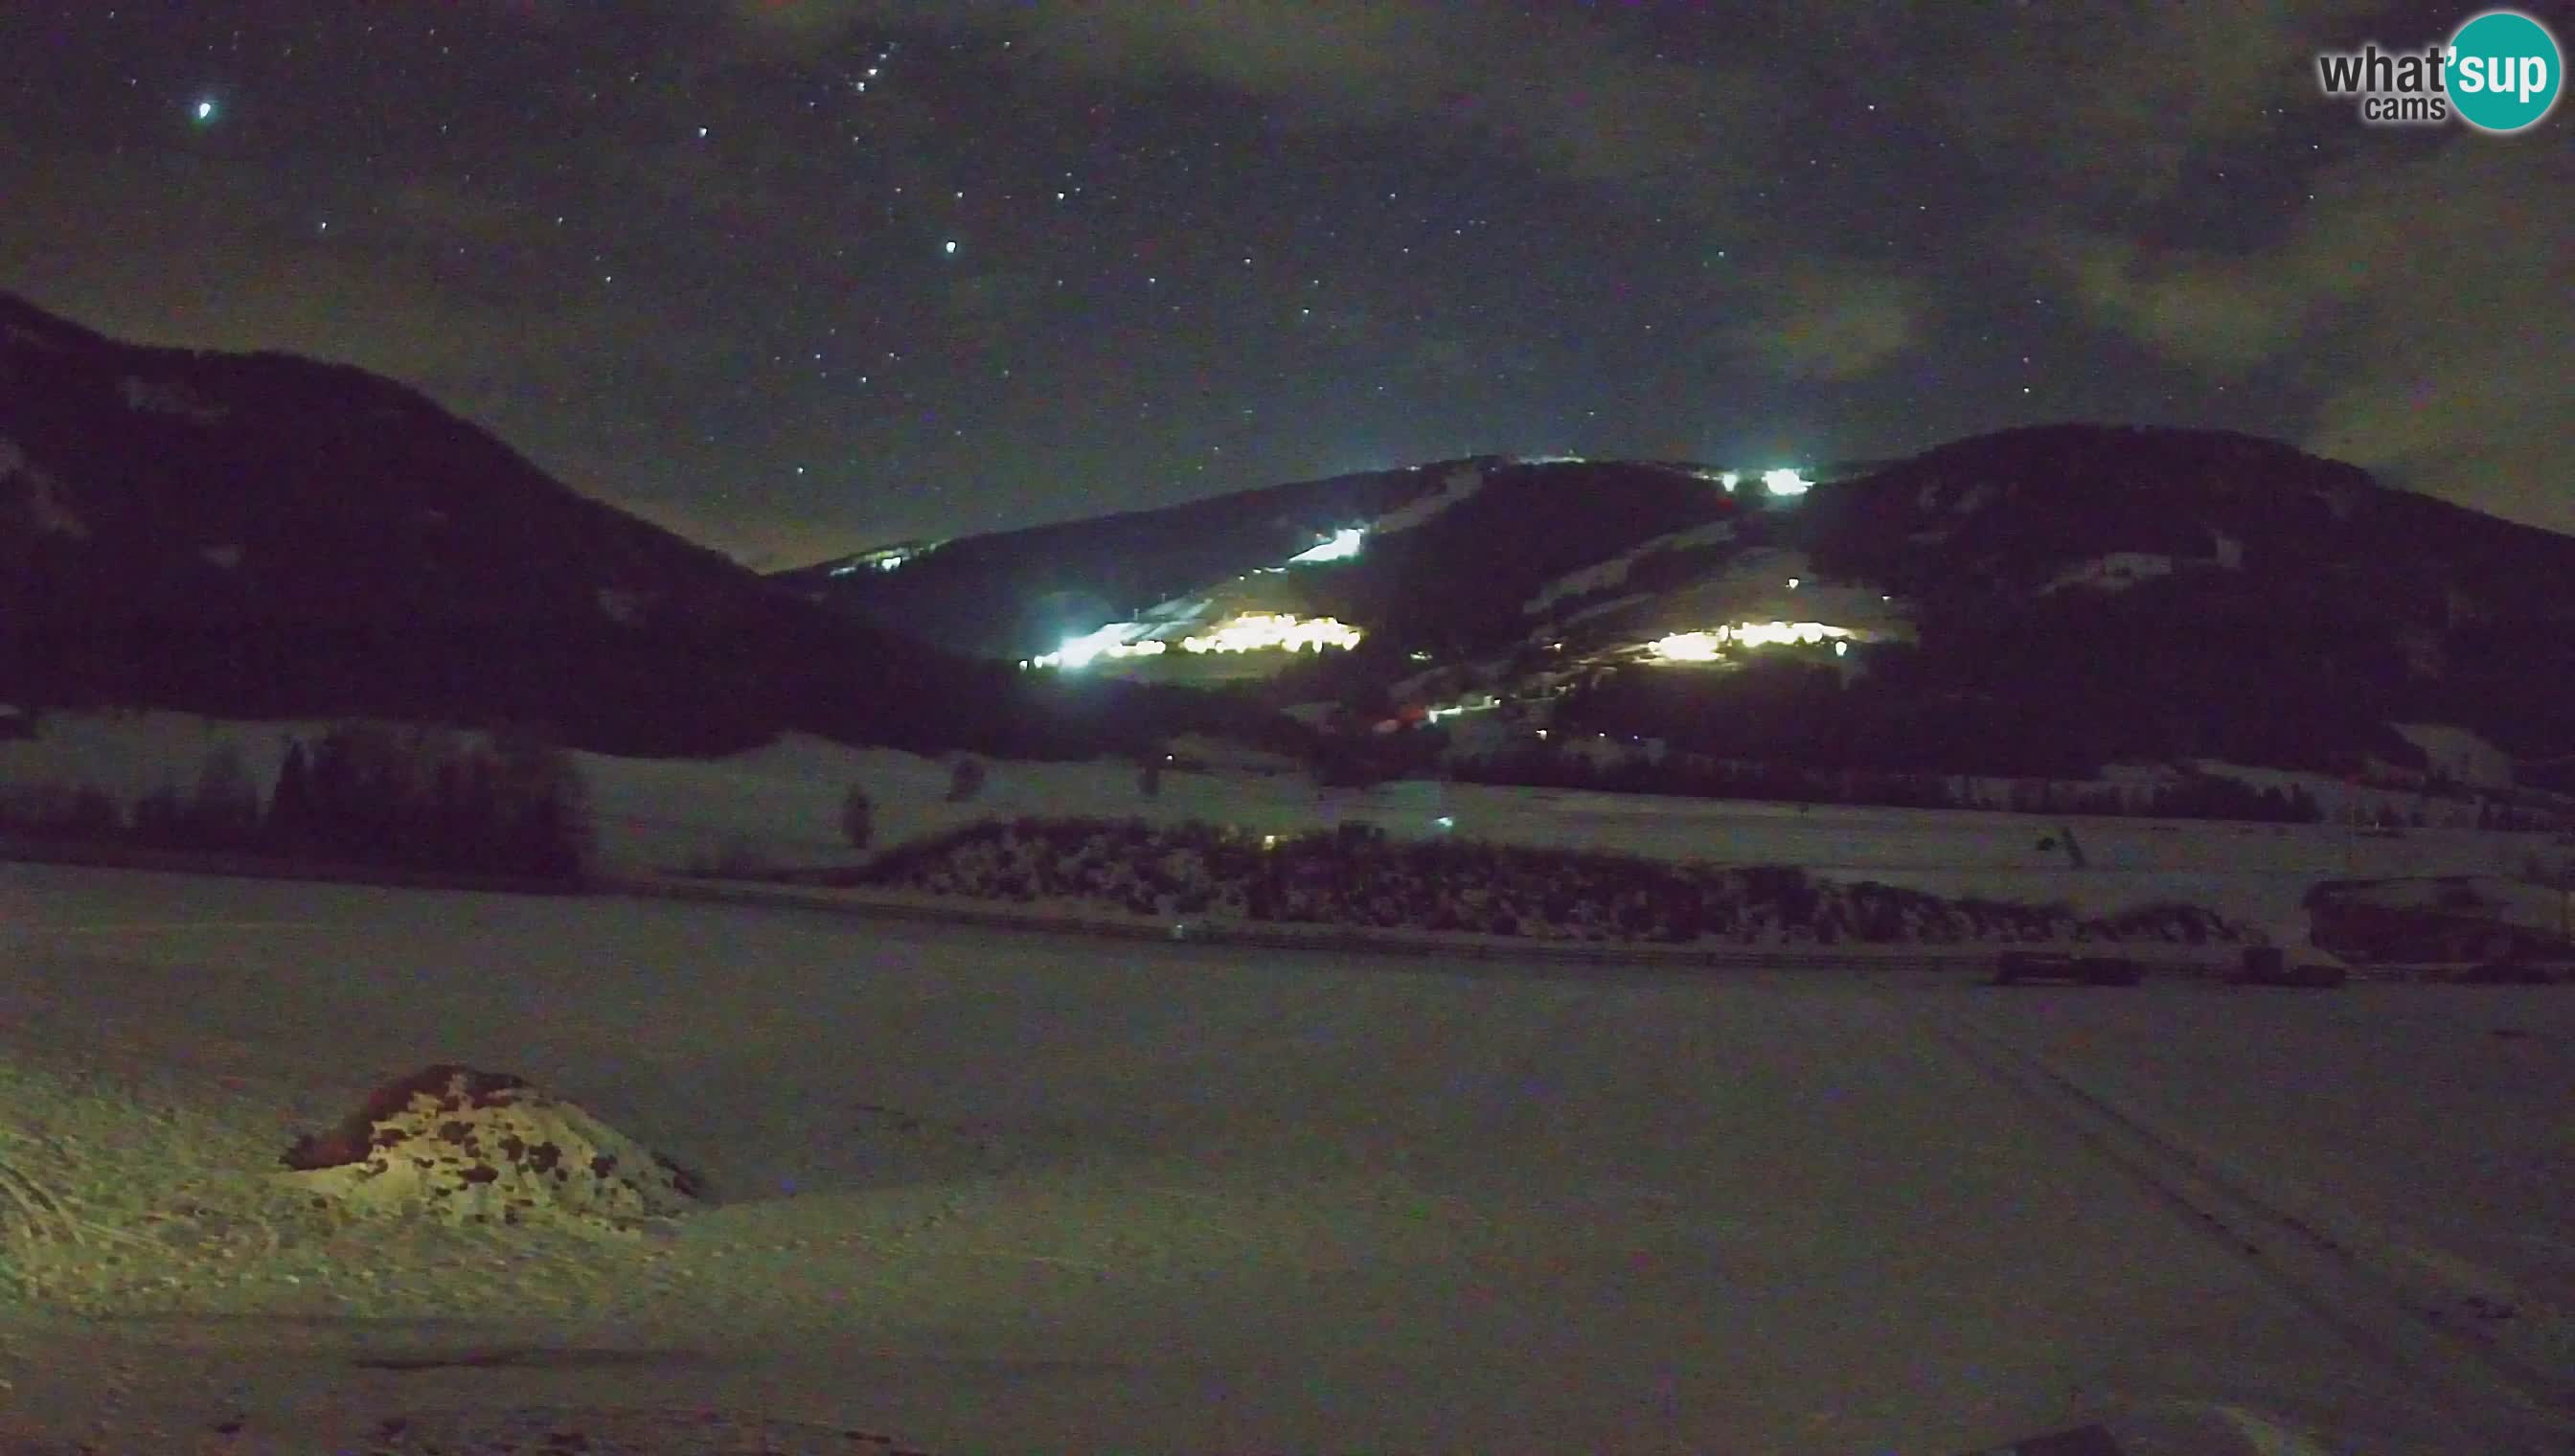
<point>794,277</point>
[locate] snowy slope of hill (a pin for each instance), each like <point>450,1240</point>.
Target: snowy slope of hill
<point>2040,600</point>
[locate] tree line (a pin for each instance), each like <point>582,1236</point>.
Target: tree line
<point>509,803</point>
<point>2199,796</point>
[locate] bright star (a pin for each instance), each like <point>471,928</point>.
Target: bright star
<point>205,111</point>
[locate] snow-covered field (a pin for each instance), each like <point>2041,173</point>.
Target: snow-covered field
<point>1018,1193</point>
<point>782,802</point>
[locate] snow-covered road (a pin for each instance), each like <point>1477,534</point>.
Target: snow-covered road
<point>1005,1192</point>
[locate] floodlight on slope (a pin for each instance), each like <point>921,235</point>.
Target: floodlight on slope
<point>1339,546</point>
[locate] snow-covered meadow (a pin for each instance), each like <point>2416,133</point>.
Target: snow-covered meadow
<point>1003,1193</point>
<point>781,803</point>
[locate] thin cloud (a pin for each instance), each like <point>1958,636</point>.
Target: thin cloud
<point>2110,103</point>
<point>1827,322</point>
<point>2463,342</point>
<point>2221,314</point>
<point>1568,93</point>
<point>2421,304</point>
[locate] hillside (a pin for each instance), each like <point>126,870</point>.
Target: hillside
<point>262,535</point>
<point>2167,593</point>
<point>2040,600</point>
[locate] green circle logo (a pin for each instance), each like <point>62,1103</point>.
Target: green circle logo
<point>2504,71</point>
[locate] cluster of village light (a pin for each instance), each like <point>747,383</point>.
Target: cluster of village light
<point>1250,632</point>
<point>1710,646</point>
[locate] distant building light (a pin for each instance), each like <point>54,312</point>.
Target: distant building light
<point>1790,482</point>
<point>1729,479</point>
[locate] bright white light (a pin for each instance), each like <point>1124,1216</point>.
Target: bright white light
<point>1841,649</point>
<point>1687,646</point>
<point>1249,633</point>
<point>1729,479</point>
<point>1445,823</point>
<point>1255,631</point>
<point>949,247</point>
<point>1784,481</point>
<point>1339,546</point>
<point>1108,641</point>
<point>1765,633</point>
<point>1710,646</point>
<point>205,111</point>
<point>883,561</point>
<point>1793,583</point>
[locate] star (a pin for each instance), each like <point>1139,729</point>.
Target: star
<point>558,249</point>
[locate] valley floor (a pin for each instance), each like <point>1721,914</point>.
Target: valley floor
<point>1012,1193</point>
<point>781,803</point>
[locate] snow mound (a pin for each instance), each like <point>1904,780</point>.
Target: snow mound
<point>487,1148</point>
